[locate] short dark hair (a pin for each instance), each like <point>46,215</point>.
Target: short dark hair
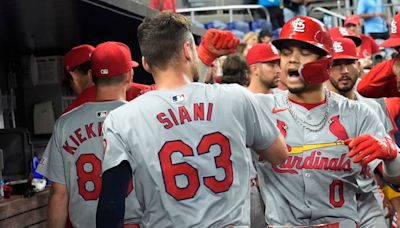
<point>110,80</point>
<point>83,68</point>
<point>234,70</point>
<point>263,33</point>
<point>161,38</point>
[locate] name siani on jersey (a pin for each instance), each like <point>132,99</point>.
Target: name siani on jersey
<point>78,137</point>
<point>172,118</point>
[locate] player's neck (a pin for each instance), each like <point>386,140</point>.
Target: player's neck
<point>171,79</point>
<point>311,96</point>
<point>282,86</point>
<point>349,94</point>
<point>110,93</point>
<point>255,87</point>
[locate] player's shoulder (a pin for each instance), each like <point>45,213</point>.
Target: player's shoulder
<point>345,105</point>
<point>263,99</point>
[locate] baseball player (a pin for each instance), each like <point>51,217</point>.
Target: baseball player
<point>329,137</point>
<point>190,165</point>
<point>72,159</point>
<point>383,80</point>
<point>343,77</point>
<point>77,66</point>
<point>263,61</point>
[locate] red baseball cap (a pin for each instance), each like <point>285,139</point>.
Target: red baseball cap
<point>262,53</point>
<point>394,39</point>
<point>77,55</point>
<point>344,48</point>
<point>338,32</point>
<point>353,19</point>
<point>111,59</point>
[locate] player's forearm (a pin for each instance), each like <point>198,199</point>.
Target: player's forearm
<point>57,211</point>
<point>391,170</point>
<point>276,153</point>
<point>111,206</point>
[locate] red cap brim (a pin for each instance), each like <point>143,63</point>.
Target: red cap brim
<point>391,42</point>
<point>335,57</point>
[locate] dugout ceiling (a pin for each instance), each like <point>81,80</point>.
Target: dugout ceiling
<point>52,27</point>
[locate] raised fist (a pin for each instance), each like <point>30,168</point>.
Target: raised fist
<point>216,43</point>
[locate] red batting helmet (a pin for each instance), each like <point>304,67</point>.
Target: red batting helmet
<point>394,39</point>
<point>313,32</point>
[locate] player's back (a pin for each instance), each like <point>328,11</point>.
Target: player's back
<point>74,155</point>
<point>188,154</point>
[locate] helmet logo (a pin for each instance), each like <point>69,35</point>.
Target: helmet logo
<point>298,25</point>
<point>338,47</point>
<point>343,31</point>
<point>393,27</point>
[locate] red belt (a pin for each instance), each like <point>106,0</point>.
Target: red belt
<point>331,225</point>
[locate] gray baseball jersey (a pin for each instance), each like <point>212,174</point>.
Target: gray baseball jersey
<point>318,182</point>
<point>188,153</point>
<point>73,157</point>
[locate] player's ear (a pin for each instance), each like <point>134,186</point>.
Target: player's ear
<point>89,73</point>
<point>188,50</point>
<point>253,69</point>
<point>146,65</point>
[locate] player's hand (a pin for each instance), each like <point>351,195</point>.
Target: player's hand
<point>366,148</point>
<point>216,43</point>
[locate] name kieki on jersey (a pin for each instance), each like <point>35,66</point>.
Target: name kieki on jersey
<point>79,136</point>
<point>197,112</point>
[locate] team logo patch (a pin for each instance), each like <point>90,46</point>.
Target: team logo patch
<point>393,27</point>
<point>104,71</point>
<point>343,31</point>
<point>178,98</point>
<point>338,47</point>
<point>101,114</point>
<point>298,25</point>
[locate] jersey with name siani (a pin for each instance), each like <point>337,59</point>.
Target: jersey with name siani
<point>188,153</point>
<point>318,182</point>
<point>73,157</point>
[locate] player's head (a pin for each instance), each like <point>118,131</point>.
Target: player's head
<point>265,36</point>
<point>112,64</point>
<point>263,61</point>
<point>166,41</point>
<point>353,23</point>
<point>306,49</point>
<point>339,32</point>
<point>345,69</point>
<point>234,70</point>
<point>77,66</point>
<point>394,39</point>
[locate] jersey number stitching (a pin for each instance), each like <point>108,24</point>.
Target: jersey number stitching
<point>91,176</point>
<point>94,176</point>
<point>332,190</point>
<point>170,170</point>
